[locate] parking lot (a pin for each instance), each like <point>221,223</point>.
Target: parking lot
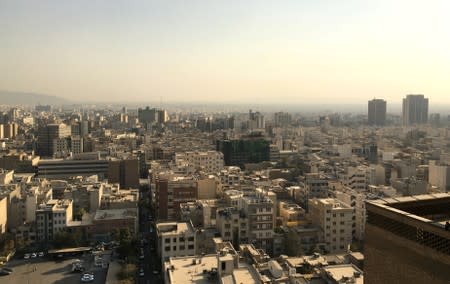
<point>44,270</point>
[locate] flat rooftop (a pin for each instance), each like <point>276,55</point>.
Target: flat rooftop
<point>427,208</point>
<point>114,214</point>
<point>185,272</point>
<point>243,274</point>
<point>344,273</point>
<point>335,203</point>
<point>420,219</point>
<point>173,228</point>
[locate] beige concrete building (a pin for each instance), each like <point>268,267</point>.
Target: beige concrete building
<point>207,187</point>
<point>439,175</point>
<point>291,213</point>
<point>209,161</point>
<point>357,201</point>
<point>6,176</point>
<point>175,239</point>
<point>3,214</point>
<point>335,218</point>
<point>52,218</point>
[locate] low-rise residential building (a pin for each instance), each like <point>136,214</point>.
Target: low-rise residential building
<point>104,222</point>
<point>53,218</point>
<point>175,239</point>
<point>209,161</point>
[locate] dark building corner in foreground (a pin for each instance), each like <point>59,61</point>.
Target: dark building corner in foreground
<point>407,240</point>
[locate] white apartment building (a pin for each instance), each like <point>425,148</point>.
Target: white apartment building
<point>175,239</point>
<point>232,225</point>
<point>359,178</point>
<point>231,176</point>
<point>52,218</point>
<point>209,161</point>
<point>357,201</point>
<point>335,219</point>
<point>439,175</point>
<point>260,211</point>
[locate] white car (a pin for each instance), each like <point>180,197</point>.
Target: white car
<point>33,255</point>
<point>141,272</point>
<point>26,256</point>
<point>41,254</point>
<point>87,277</point>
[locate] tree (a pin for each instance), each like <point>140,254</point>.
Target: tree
<point>66,239</point>
<point>6,243</point>
<point>293,244</point>
<point>79,214</point>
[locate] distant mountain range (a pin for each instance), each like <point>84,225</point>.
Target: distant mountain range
<point>23,98</point>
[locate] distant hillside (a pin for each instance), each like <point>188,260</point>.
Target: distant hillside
<point>21,98</point>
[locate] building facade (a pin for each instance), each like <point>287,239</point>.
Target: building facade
<point>415,110</point>
<point>335,219</point>
<point>406,240</point>
<point>377,112</point>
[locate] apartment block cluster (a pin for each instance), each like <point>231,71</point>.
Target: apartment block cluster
<point>69,172</point>
<point>238,198</point>
<point>37,211</point>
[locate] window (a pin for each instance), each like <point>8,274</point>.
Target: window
<point>174,248</point>
<point>342,214</point>
<point>167,241</point>
<point>190,246</point>
<point>191,239</point>
<point>224,265</point>
<point>182,247</point>
<point>181,239</point>
<point>167,248</point>
<point>174,240</point>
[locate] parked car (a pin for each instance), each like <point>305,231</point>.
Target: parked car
<point>7,269</point>
<point>4,272</point>
<point>26,256</point>
<point>87,277</point>
<point>41,254</point>
<point>33,255</point>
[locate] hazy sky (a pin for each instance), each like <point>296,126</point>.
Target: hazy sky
<point>227,51</point>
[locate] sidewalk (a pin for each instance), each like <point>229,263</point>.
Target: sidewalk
<point>113,270</point>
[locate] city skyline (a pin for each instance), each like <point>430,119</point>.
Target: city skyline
<point>226,52</point>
